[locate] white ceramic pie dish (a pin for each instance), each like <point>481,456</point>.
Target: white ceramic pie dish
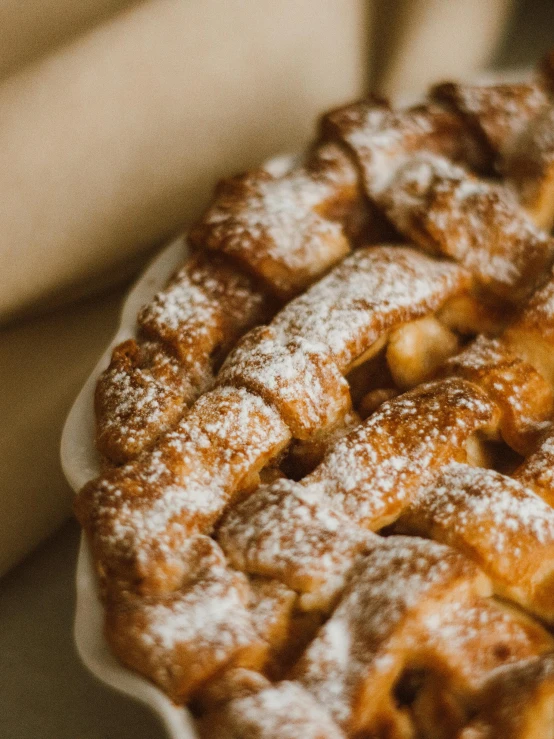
<point>80,463</point>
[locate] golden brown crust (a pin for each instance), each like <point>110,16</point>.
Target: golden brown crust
<point>373,472</point>
<point>138,516</point>
<point>283,711</point>
<point>284,247</point>
<point>354,661</point>
<point>381,139</point>
<point>531,335</point>
<point>181,639</point>
<point>142,393</point>
<point>529,168</point>
<point>203,309</point>
<point>518,703</point>
<point>503,526</point>
<point>183,332</point>
<point>497,113</point>
<point>291,532</point>
<point>537,470</point>
<point>480,225</point>
<point>475,640</point>
<point>384,635</point>
<point>524,397</point>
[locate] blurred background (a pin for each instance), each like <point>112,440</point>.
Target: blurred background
<point>116,119</point>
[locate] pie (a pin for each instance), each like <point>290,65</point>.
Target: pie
<point>326,508</point>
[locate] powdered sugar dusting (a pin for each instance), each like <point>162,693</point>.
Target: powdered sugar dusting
<point>359,645</point>
<point>290,532</point>
<point>140,514</point>
<point>277,225</point>
<point>446,210</point>
<point>283,711</point>
<point>522,394</point>
<point>197,629</point>
<point>504,526</point>
<point>537,471</point>
<point>374,471</point>
<point>470,642</point>
<point>206,304</point>
<point>370,292</point>
<point>501,112</point>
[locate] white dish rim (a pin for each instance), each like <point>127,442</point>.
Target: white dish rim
<point>80,463</point>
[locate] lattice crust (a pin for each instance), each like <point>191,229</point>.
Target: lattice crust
<point>498,113</point>
<point>524,397</point>
<point>383,140</point>
<point>504,526</point>
<point>306,534</point>
<point>373,472</point>
<point>297,363</point>
<point>139,516</point>
<point>184,637</point>
<point>518,703</point>
<point>275,605</point>
<point>446,210</point>
<point>283,711</point>
<point>291,532</point>
<point>205,307</point>
<point>532,333</point>
<point>285,230</point>
<point>529,168</point>
<point>537,471</point>
<point>514,121</point>
<point>357,656</point>
<point>141,394</point>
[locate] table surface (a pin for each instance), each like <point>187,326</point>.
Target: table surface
<point>49,694</point>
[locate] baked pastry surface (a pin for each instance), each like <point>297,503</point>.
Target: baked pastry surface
<point>326,509</point>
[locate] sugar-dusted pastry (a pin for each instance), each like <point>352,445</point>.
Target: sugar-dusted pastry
<point>381,140</point>
<point>353,663</point>
<point>282,711</point>
<point>529,168</point>
<point>465,645</point>
<point>139,516</point>
<point>291,532</point>
<point>283,380</point>
<point>183,331</point>
<point>297,362</point>
<point>198,628</point>
<point>537,470</point>
<point>286,230</point>
<point>373,472</point>
<point>531,334</point>
<point>212,300</point>
<point>141,394</point>
<point>523,395</point>
<point>307,397</point>
<point>446,210</point>
<point>505,527</point>
<point>309,534</point>
<point>518,703</point>
<point>498,113</point>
